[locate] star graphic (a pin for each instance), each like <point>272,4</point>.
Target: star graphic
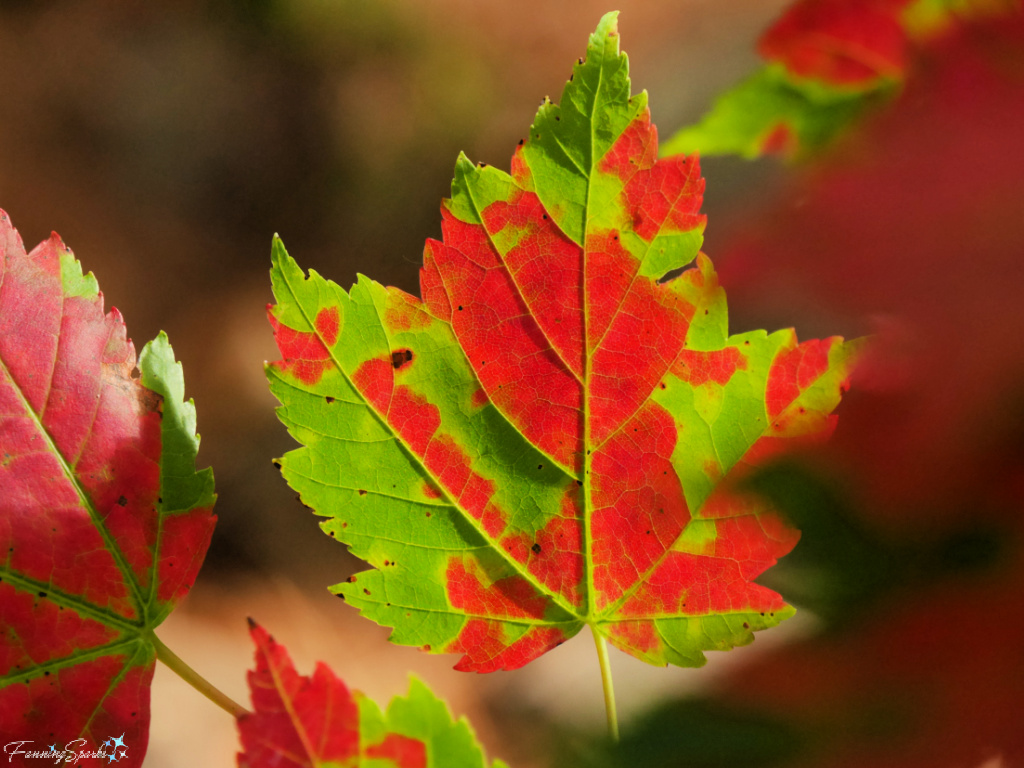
<point>118,742</point>
<point>53,747</point>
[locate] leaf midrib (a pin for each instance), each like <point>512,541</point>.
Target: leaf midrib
<point>84,499</point>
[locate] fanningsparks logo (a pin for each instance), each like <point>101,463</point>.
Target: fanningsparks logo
<point>112,750</point>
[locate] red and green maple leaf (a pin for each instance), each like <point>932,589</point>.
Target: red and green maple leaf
<point>306,722</point>
<point>551,437</point>
<point>828,62</point>
<point>104,520</point>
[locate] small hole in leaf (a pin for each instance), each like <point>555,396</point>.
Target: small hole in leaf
<point>400,358</point>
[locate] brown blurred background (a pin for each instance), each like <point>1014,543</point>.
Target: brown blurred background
<point>167,141</point>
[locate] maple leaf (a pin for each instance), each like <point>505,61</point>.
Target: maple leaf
<point>104,521</point>
<point>317,721</point>
<point>552,437</point>
<point>828,62</point>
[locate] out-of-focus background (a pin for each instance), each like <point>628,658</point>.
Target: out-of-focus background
<point>167,142</point>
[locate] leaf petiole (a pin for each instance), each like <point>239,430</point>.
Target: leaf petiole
<point>606,684</point>
<point>197,681</point>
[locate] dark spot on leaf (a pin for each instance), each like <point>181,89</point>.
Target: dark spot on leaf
<point>579,482</point>
<point>762,613</point>
<point>428,514</point>
<point>123,501</point>
<point>351,579</point>
<point>746,625</point>
<point>426,647</point>
<point>662,385</point>
<point>276,463</point>
<point>648,533</point>
<point>536,548</point>
<point>387,604</point>
<point>747,343</point>
<point>362,492</point>
<point>159,499</point>
<point>400,357</point>
<point>340,595</point>
<point>460,307</point>
<point>331,534</point>
<point>387,562</point>
<point>366,590</point>
<point>521,142</point>
<point>46,673</point>
<point>329,399</point>
<point>705,311</point>
<point>344,525</point>
<point>42,594</point>
<point>545,217</point>
<point>540,466</point>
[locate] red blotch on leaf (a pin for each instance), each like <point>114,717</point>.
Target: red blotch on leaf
<point>401,750</point>
<point>486,648</point>
<point>304,354</point>
<point>327,325</point>
<point>795,370</point>
<point>662,195</point>
<point>639,509</point>
<point>698,368</point>
<point>508,598</point>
